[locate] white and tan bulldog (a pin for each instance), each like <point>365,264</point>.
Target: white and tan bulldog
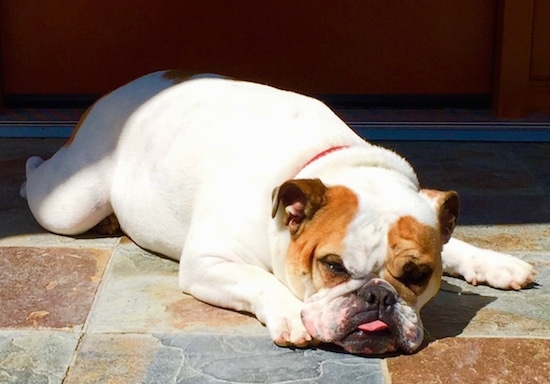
<point>271,204</point>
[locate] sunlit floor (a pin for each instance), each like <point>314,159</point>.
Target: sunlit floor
<point>101,310</point>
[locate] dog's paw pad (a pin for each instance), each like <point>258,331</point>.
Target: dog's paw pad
<point>290,333</point>
<point>504,272</point>
<point>524,278</point>
<point>514,285</point>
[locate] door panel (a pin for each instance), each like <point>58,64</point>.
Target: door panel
<point>351,47</point>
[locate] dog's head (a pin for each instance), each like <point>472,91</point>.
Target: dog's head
<point>364,259</point>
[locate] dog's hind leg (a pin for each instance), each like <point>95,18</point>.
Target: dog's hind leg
<point>69,193</point>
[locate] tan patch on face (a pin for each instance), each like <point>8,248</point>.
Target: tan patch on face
<point>314,253</point>
<point>177,75</point>
<point>413,263</point>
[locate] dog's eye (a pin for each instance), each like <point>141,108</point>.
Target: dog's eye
<point>415,275</point>
<point>337,268</point>
<point>334,264</point>
<point>331,270</point>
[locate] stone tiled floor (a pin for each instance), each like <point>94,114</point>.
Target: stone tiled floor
<point>101,310</point>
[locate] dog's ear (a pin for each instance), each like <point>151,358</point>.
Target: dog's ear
<point>447,205</point>
<point>300,198</point>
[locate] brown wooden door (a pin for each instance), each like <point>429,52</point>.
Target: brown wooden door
<point>372,47</point>
<point>366,47</point>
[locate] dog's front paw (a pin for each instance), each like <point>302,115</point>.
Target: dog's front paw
<point>500,270</point>
<point>288,330</point>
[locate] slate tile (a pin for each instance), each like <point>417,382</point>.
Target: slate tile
<point>535,156</point>
<point>451,314</point>
<point>140,294</point>
<point>197,343</point>
<point>461,309</point>
<point>34,236</point>
<point>507,238</point>
<point>112,358</point>
<point>479,360</point>
<point>215,359</point>
<point>473,166</point>
<point>497,182</point>
<point>35,356</point>
<point>48,287</point>
<point>198,359</point>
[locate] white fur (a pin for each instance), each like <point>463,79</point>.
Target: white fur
<point>485,266</point>
<point>188,169</point>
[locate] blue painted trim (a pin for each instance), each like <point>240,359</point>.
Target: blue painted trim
<point>506,132</point>
<point>41,130</point>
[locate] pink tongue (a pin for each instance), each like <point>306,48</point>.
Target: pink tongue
<point>373,326</point>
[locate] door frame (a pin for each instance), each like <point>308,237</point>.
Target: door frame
<point>516,92</point>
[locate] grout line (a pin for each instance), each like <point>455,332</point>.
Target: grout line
<point>85,326</point>
<point>73,357</point>
<point>100,286</point>
<point>386,375</point>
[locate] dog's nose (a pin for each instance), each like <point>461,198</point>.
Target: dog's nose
<point>378,297</point>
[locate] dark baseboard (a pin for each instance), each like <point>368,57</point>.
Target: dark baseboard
<point>48,101</point>
<point>433,101</point>
<point>352,101</point>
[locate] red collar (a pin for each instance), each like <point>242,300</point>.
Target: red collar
<point>324,153</point>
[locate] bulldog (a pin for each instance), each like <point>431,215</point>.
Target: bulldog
<point>271,204</point>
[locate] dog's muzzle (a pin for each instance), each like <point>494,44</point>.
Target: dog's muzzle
<point>371,320</point>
